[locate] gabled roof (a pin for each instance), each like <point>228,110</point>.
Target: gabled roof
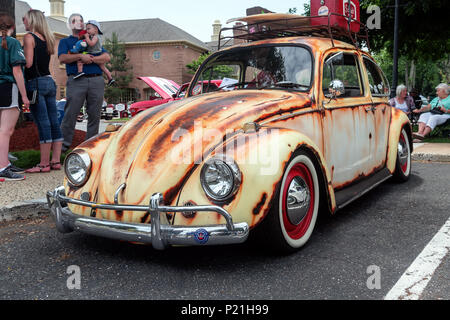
<point>147,30</point>
<point>58,26</point>
<point>55,25</point>
<point>128,31</point>
<point>21,9</point>
<point>213,45</point>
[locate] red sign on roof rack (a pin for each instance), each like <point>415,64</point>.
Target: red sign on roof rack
<point>340,7</point>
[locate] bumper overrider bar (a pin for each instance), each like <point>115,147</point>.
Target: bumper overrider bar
<point>160,235</point>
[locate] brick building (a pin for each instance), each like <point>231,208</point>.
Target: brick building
<point>154,47</point>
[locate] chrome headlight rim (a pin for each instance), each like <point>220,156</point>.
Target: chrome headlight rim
<point>235,171</point>
<point>84,156</point>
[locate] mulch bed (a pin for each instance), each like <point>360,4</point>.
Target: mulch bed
<point>27,138</point>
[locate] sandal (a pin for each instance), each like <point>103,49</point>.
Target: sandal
<point>418,136</point>
<point>38,169</point>
<point>55,165</point>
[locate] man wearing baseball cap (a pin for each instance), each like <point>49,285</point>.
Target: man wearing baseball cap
<point>89,88</point>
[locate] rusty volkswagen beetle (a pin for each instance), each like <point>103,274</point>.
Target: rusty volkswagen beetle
<point>300,125</point>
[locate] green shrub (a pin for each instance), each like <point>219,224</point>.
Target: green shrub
<point>29,158</point>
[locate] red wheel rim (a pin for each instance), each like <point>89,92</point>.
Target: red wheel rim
<point>404,166</point>
<point>296,231</point>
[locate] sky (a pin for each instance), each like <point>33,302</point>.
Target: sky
<point>193,16</point>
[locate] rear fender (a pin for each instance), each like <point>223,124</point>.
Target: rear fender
<point>399,120</point>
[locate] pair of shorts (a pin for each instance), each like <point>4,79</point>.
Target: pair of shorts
<point>9,96</point>
<point>433,120</point>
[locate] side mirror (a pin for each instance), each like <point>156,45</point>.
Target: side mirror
<point>335,89</point>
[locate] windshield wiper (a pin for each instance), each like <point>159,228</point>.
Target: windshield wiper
<point>289,84</point>
<point>284,84</point>
<point>237,84</point>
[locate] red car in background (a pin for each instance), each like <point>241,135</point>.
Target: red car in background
<point>168,90</point>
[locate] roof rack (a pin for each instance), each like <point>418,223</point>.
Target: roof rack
<point>295,26</point>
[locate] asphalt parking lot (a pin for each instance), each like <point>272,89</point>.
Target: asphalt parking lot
<point>359,254</point>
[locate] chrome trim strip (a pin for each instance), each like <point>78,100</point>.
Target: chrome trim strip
<point>290,115</point>
<point>116,195</point>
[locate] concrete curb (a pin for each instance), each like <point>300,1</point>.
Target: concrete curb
<point>24,210</point>
<point>430,157</point>
<point>431,152</point>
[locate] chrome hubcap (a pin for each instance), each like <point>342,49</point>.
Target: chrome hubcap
<point>402,152</point>
<point>297,200</point>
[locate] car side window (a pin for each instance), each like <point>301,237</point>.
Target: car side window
<point>379,86</point>
<point>345,68</point>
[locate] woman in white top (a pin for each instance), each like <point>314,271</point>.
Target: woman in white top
<point>402,100</point>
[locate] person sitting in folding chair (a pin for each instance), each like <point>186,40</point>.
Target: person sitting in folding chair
<point>435,114</point>
<point>402,100</point>
<point>419,102</point>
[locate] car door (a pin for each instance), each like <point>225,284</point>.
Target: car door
<point>379,90</point>
<point>347,121</point>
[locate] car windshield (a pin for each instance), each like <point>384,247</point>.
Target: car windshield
<point>261,67</point>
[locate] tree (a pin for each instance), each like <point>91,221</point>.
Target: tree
<point>428,73</point>
<point>424,41</point>
<point>119,68</point>
<point>195,64</point>
<point>220,71</point>
<point>306,10</point>
<point>423,28</point>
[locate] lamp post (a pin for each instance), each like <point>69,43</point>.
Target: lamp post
<point>395,67</point>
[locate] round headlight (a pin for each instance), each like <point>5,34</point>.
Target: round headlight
<point>78,167</point>
<point>220,179</point>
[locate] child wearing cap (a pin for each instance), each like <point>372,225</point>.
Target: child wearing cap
<point>94,46</point>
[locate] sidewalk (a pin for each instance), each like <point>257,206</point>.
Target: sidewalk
<point>28,197</point>
<point>436,152</point>
<point>23,199</point>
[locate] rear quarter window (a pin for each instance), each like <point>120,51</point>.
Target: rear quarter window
<point>379,86</point>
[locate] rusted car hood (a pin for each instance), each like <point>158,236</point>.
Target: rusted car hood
<point>157,150</point>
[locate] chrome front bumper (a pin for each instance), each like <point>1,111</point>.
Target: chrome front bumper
<point>159,234</point>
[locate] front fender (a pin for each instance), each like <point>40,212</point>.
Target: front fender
<point>262,158</point>
<point>95,147</point>
<point>399,120</point>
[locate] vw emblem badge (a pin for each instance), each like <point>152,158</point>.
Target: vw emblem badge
<point>201,236</point>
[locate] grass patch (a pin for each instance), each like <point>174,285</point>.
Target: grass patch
<point>436,140</point>
<point>29,158</point>
<point>435,137</point>
<point>118,120</point>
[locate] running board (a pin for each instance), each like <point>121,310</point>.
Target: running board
<point>347,195</point>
